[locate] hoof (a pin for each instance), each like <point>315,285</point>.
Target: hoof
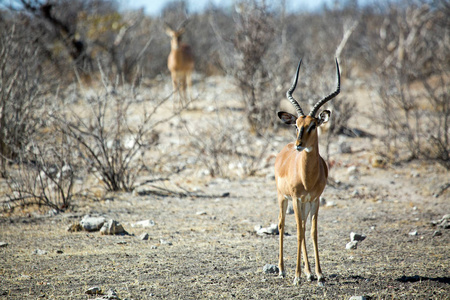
<point>321,281</point>
<point>296,281</point>
<point>282,274</point>
<point>309,277</point>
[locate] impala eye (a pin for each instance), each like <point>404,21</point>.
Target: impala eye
<point>311,127</point>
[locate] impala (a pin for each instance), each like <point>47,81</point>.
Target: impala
<point>301,175</point>
<point>180,62</point>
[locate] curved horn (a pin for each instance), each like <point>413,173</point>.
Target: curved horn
<point>291,90</point>
<point>330,96</point>
<point>183,24</point>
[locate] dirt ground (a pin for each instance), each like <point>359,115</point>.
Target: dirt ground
<point>207,248</point>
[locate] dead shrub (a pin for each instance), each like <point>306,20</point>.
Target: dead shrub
<point>413,80</point>
<point>45,175</point>
<point>113,133</point>
<point>22,86</point>
<point>226,149</point>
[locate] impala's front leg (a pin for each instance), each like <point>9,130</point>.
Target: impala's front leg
<point>282,201</point>
<point>300,239</point>
<point>307,270</point>
<point>314,237</point>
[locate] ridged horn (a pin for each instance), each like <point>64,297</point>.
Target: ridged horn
<point>292,89</point>
<point>330,96</point>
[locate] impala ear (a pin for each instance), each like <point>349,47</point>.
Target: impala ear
<point>167,28</point>
<point>324,117</point>
<point>287,118</point>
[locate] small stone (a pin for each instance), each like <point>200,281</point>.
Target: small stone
<point>3,244</point>
<point>357,237</point>
<point>111,295</point>
<point>444,222</point>
<point>143,289</point>
<point>358,298</point>
<point>144,224</point>
<point>413,233</point>
<point>331,204</point>
<point>164,242</point>
<point>112,227</point>
<point>271,230</point>
<point>92,223</point>
<point>95,290</point>
<point>59,252</point>
<point>201,213</point>
<point>351,245</point>
<point>323,201</point>
<point>271,269</point>
<point>352,170</point>
<point>39,252</point>
<point>144,236</point>
<point>437,233</point>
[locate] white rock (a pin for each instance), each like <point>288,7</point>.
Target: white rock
<point>351,245</point>
<point>92,223</point>
<point>331,204</point>
<point>40,252</point>
<point>271,230</point>
<point>165,242</point>
<point>413,233</point>
<point>144,223</point>
<point>144,236</point>
<point>358,298</point>
<point>110,295</point>
<point>352,170</point>
<point>271,269</point>
<point>112,227</point>
<point>95,290</point>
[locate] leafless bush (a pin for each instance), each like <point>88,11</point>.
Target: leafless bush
<point>46,174</point>
<point>110,139</point>
<point>414,76</point>
<point>243,57</point>
<point>226,149</point>
<point>22,84</point>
